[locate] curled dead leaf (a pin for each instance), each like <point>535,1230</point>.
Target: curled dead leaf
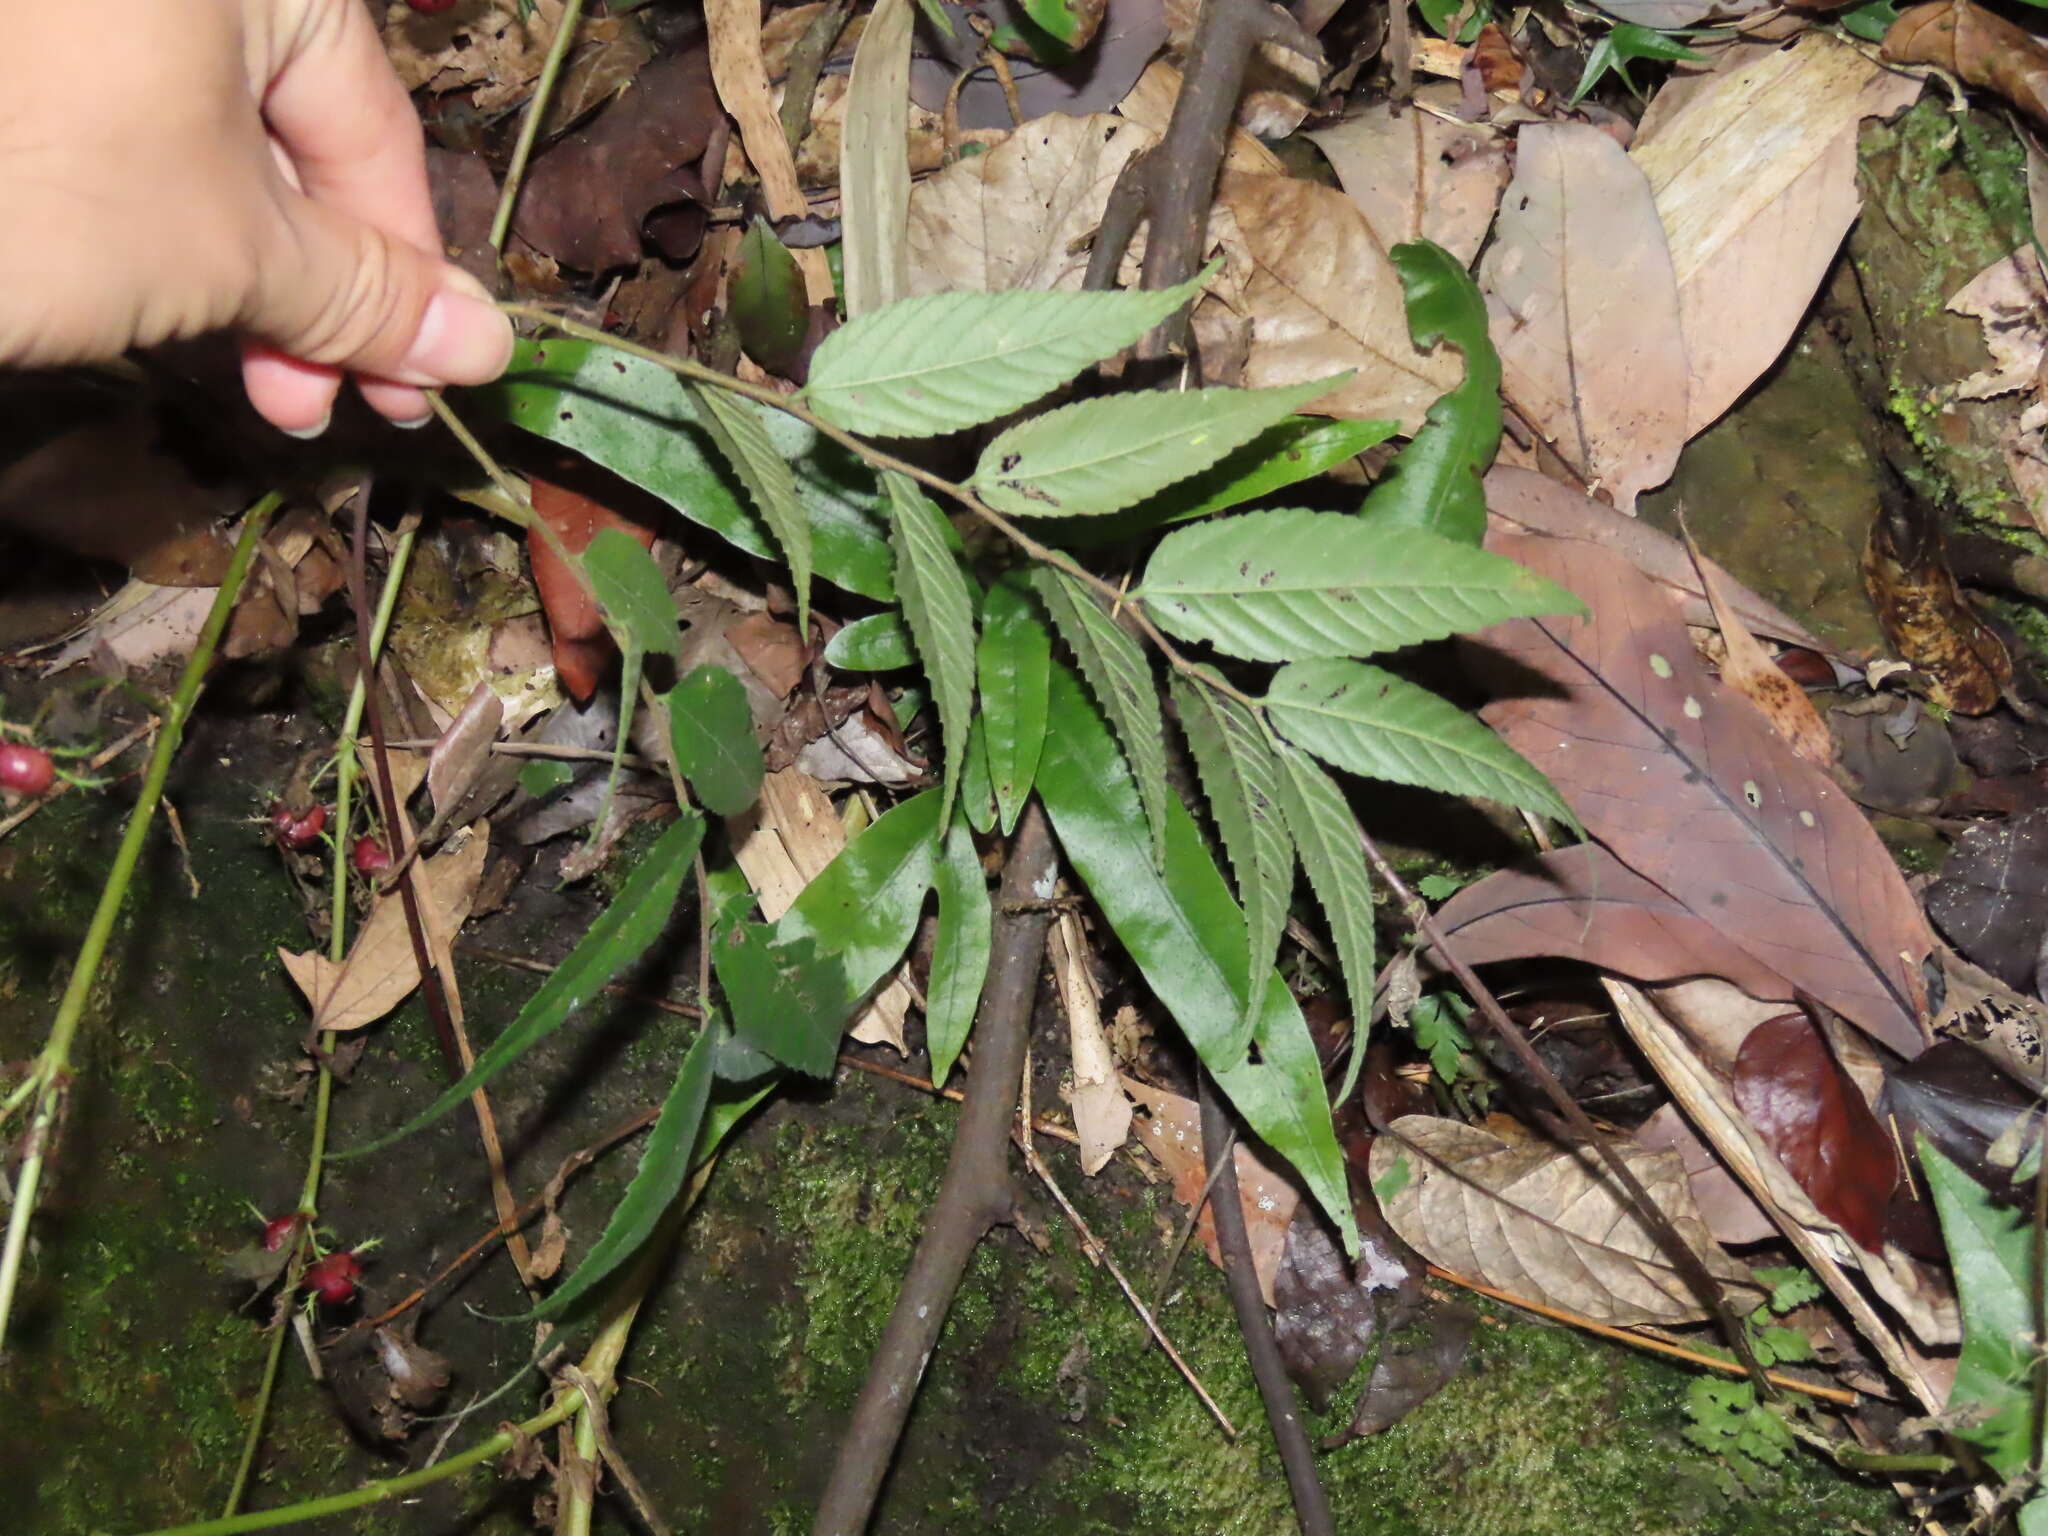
<point>1978,47</point>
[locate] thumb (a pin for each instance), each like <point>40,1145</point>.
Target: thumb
<point>332,289</point>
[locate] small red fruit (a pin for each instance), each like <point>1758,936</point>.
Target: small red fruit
<point>333,1279</point>
<point>431,7</point>
<point>296,829</point>
<point>25,768</point>
<point>369,856</point>
<point>278,1231</point>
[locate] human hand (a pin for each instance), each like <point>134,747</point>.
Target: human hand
<point>171,167</point>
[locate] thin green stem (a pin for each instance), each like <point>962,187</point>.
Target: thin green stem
<point>346,769</point>
<point>529,127</point>
<point>52,1070</point>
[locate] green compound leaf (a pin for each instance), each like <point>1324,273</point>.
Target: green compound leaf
<point>1187,936</point>
<point>1326,833</point>
<point>633,593</point>
<point>1292,585</point>
<point>940,612</point>
<point>664,1165</point>
<point>711,731</point>
<point>741,433</point>
<point>1434,483</point>
<point>1241,777</point>
<point>619,937</point>
<point>1100,456</point>
<point>951,360</point>
<point>1990,1250</point>
<point>1013,662</point>
<point>1117,671</point>
<point>1373,723</point>
<point>638,421</point>
<point>960,951</point>
<point>786,998</point>
<point>878,643</point>
<point>863,907</point>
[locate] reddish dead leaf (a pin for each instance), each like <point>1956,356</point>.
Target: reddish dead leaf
<point>772,650</point>
<point>1582,903</point>
<point>1925,617</point>
<point>1749,670</point>
<point>1991,899</point>
<point>1814,1119</point>
<point>583,648</point>
<point>1686,785</point>
<point>1417,176</point>
<point>587,199</point>
<point>1978,47</point>
<point>1729,1211</point>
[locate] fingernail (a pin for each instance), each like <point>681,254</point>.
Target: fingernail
<point>413,423</point>
<point>307,434</point>
<point>463,338</point>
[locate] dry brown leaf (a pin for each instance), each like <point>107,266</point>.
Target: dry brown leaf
<point>1544,1221</point>
<point>1926,617</point>
<point>1323,297</point>
<point>1102,1114</point>
<point>1978,47</point>
<point>1724,1205</point>
<point>1149,103</point>
<point>1583,309</point>
<point>1279,83</point>
<point>137,627</point>
<point>741,74</point>
<point>491,46</point>
<point>1749,670</point>
<point>2009,299</point>
<point>1417,176</point>
<point>464,749</point>
<point>380,970</point>
<point>1755,181</point>
<point>1172,1132</point>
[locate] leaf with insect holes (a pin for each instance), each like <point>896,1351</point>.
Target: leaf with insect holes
<point>1326,836</point>
<point>940,612</point>
<point>637,420</point>
<point>1291,585</point>
<point>1176,919</point>
<point>618,937</point>
<point>633,593</point>
<point>1434,482</point>
<point>664,1165</point>
<point>1013,663</point>
<point>1100,456</point>
<point>862,908</point>
<point>1121,678</point>
<point>937,364</point>
<point>1373,723</point>
<point>1241,777</point>
<point>711,731</point>
<point>960,951</point>
<point>742,436</point>
<point>880,642</point>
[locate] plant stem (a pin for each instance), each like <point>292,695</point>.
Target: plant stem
<point>345,771</point>
<point>52,1070</point>
<point>529,126</point>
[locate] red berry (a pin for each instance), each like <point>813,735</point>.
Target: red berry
<point>431,7</point>
<point>333,1279</point>
<point>296,829</point>
<point>25,768</point>
<point>369,856</point>
<point>278,1231</point>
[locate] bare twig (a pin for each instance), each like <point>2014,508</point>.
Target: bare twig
<point>974,1196</point>
<point>1311,1504</point>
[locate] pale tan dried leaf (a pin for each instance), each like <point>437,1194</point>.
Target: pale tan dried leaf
<point>1545,1222</point>
<point>1584,310</point>
<point>1323,297</point>
<point>874,161</point>
<point>1150,103</point>
<point>1416,176</point>
<point>1755,181</point>
<point>1748,668</point>
<point>1279,83</point>
<point>464,748</point>
<point>380,970</point>
<point>741,75</point>
<point>817,158</point>
<point>137,627</point>
<point>1171,1130</point>
<point>780,843</point>
<point>491,47</point>
<point>1102,1114</point>
<point>2010,300</point>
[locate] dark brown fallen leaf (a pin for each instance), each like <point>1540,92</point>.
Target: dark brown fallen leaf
<point>1324,1316</point>
<point>1415,1363</point>
<point>465,202</point>
<point>1814,1119</point>
<point>588,198</point>
<point>1582,903</point>
<point>1687,785</point>
<point>1991,898</point>
<point>1955,1096</point>
<point>1977,46</point>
